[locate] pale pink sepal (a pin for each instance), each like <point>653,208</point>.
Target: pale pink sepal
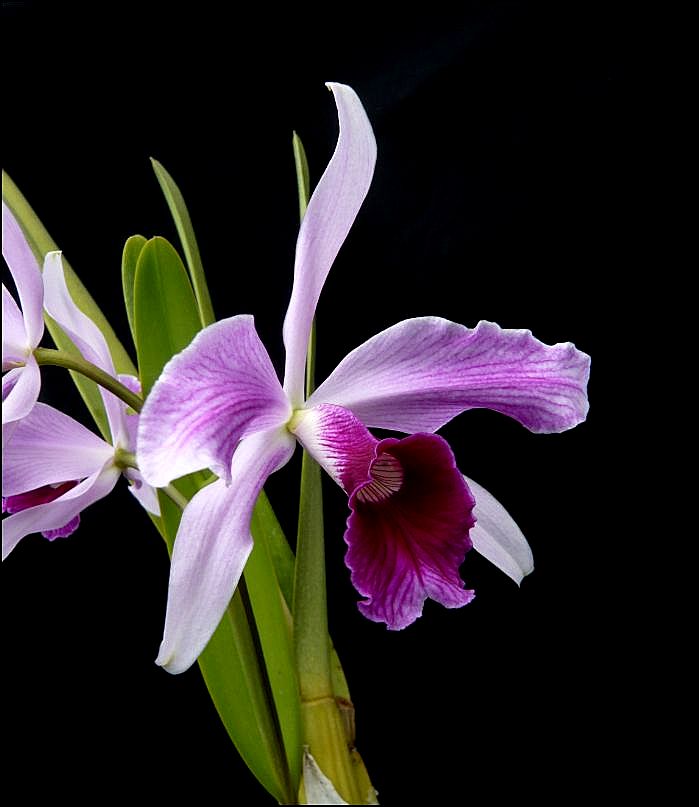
<point>20,390</point>
<point>49,447</point>
<point>422,372</point>
<point>26,274</point>
<point>331,212</point>
<point>212,546</point>
<point>497,537</point>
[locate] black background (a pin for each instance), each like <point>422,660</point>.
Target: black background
<point>504,190</point>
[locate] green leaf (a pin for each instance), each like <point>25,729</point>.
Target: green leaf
<point>274,626</point>
<point>129,259</point>
<point>236,684</point>
<point>165,311</point>
<point>302,175</point>
<point>185,230</point>
<point>40,243</point>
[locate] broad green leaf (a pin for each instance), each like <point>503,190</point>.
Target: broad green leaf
<point>129,259</point>
<point>236,684</point>
<point>185,230</point>
<point>165,311</point>
<point>274,626</point>
<point>41,242</point>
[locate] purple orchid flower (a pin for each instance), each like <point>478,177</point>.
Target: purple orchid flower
<point>22,327</point>
<point>53,468</point>
<point>219,404</point>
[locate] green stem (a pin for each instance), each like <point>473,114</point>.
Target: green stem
<point>60,358</point>
<point>174,495</point>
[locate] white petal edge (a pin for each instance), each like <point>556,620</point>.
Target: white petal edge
<point>497,537</point>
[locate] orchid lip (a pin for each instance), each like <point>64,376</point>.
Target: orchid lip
<point>387,477</point>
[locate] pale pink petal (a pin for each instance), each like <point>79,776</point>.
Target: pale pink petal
<point>144,494</point>
<point>20,390</point>
<point>49,447</point>
<point>85,335</point>
<point>212,546</point>
<point>26,274</point>
<point>331,212</point>
<point>497,537</point>
<point>58,513</point>
<point>15,345</point>
<point>420,373</point>
<point>219,389</point>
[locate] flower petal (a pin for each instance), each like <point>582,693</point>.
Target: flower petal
<point>58,513</point>
<point>419,374</point>
<point>338,442</point>
<point>15,345</point>
<point>497,537</point>
<point>26,274</point>
<point>331,212</point>
<point>20,390</point>
<point>406,545</point>
<point>86,336</point>
<point>219,389</point>
<point>212,546</point>
<point>49,447</point>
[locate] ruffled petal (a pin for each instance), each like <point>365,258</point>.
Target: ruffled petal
<point>419,374</point>
<point>26,274</point>
<point>219,389</point>
<point>49,447</point>
<point>58,514</point>
<point>497,537</point>
<point>15,345</point>
<point>85,335</point>
<point>408,531</point>
<point>20,390</point>
<point>331,212</point>
<point>212,546</point>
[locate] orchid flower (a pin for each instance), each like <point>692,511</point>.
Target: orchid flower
<point>219,404</point>
<point>22,327</point>
<point>54,467</point>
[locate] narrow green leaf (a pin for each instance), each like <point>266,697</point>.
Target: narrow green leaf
<point>41,242</point>
<point>129,259</point>
<point>235,681</point>
<point>185,230</point>
<point>165,311</point>
<point>302,176</point>
<point>274,628</point>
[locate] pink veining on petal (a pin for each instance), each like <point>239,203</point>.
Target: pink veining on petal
<point>408,531</point>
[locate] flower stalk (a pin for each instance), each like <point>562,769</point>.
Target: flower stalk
<point>60,358</point>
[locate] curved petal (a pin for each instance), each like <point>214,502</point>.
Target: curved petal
<point>86,336</point>
<point>49,447</point>
<point>212,546</point>
<point>331,212</point>
<point>15,345</point>
<point>408,531</point>
<point>419,374</point>
<point>144,494</point>
<point>219,389</point>
<point>497,537</point>
<point>26,274</point>
<point>337,441</point>
<point>58,513</point>
<point>20,390</point>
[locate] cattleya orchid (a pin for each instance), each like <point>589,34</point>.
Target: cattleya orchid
<point>53,466</point>
<point>22,327</point>
<point>413,516</point>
